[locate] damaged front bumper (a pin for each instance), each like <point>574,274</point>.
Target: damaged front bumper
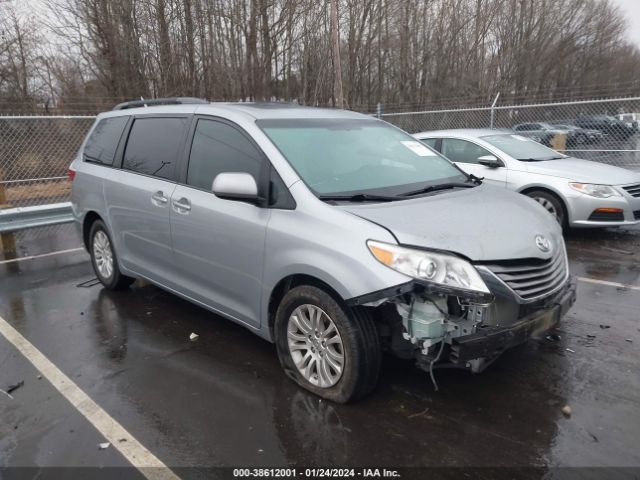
<point>439,328</point>
<point>489,342</point>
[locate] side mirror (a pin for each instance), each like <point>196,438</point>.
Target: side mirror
<point>236,186</point>
<point>489,161</point>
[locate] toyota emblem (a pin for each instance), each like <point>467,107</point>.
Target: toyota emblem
<point>543,243</point>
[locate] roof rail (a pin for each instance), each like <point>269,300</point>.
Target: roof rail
<point>159,101</point>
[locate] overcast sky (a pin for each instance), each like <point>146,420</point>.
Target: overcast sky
<point>631,9</point>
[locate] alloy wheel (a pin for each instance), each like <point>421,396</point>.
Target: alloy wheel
<point>315,346</point>
<point>549,207</point>
<point>103,254</point>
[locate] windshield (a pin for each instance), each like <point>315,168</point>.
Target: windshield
<point>351,156</point>
<point>522,148</point>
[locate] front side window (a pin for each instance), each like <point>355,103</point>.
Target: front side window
<point>352,156</point>
<point>103,142</point>
<point>430,141</point>
<point>522,148</point>
<point>462,151</point>
<point>218,148</point>
<point>154,145</point>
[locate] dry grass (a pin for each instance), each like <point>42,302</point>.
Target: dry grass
<point>26,194</point>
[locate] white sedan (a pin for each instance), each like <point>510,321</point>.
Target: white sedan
<point>579,193</point>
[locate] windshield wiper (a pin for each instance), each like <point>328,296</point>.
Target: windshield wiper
<point>474,179</point>
<point>434,188</point>
<point>539,159</point>
<point>358,197</point>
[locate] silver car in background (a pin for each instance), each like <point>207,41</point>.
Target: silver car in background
<point>330,233</point>
<point>578,193</point>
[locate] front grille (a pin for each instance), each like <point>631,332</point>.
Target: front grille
<point>633,190</point>
<point>597,216</point>
<point>636,214</point>
<point>532,277</point>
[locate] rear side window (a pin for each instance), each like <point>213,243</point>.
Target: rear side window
<point>218,148</point>
<point>154,145</point>
<point>103,142</point>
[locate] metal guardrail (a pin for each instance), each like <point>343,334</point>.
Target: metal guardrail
<point>20,218</point>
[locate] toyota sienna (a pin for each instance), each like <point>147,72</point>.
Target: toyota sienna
<point>330,233</point>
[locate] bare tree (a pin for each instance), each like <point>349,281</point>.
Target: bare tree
<point>337,62</point>
<point>403,53</point>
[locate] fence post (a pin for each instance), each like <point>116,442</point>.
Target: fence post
<point>493,111</point>
<point>7,240</point>
<point>379,110</point>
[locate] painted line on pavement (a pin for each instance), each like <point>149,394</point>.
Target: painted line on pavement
<point>33,257</point>
<point>608,284</point>
<point>130,448</point>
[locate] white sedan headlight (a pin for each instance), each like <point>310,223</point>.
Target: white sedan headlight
<point>593,190</point>
<point>438,268</point>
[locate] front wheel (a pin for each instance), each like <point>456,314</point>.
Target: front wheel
<point>325,347</point>
<point>552,204</point>
<point>104,260</point>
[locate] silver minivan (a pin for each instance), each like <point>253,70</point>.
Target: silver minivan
<point>332,234</point>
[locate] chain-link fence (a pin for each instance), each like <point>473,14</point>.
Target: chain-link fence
<point>603,130</point>
<point>35,153</point>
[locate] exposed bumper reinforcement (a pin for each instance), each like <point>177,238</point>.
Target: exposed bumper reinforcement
<point>492,342</point>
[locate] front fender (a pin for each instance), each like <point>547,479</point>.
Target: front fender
<point>331,249</point>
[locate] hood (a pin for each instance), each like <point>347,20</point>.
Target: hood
<point>584,171</point>
<point>482,223</point>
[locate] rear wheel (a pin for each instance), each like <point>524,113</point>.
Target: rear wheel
<point>552,204</point>
<point>104,260</point>
<point>325,347</point>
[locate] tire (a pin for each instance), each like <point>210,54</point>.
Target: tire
<point>552,204</point>
<point>104,259</point>
<point>357,340</point>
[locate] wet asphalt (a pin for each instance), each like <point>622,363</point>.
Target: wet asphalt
<point>224,401</point>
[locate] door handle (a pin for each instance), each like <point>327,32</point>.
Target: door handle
<point>159,199</point>
<point>182,206</point>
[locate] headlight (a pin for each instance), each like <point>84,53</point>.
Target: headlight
<point>437,268</point>
<point>598,191</point>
